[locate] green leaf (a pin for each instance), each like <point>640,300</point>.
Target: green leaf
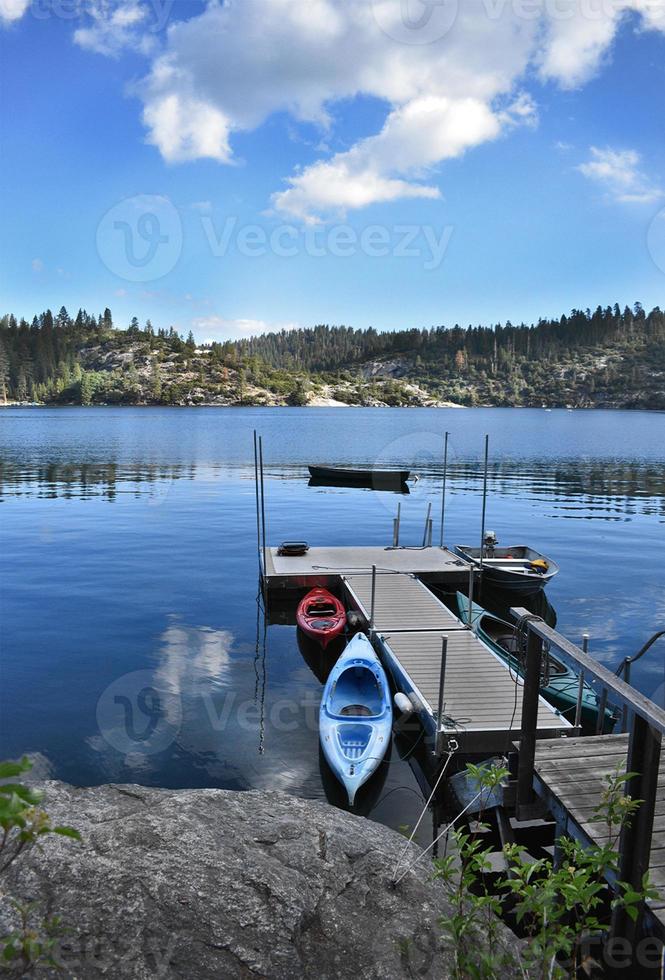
<point>10,769</point>
<point>67,832</point>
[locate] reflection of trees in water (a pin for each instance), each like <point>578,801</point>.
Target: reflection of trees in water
<point>598,487</point>
<point>75,480</point>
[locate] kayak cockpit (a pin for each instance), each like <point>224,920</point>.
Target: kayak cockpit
<point>356,693</point>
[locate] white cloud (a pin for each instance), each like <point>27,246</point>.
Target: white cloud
<point>114,26</point>
<point>209,328</point>
<point>11,10</point>
<point>37,265</point>
<point>230,67</point>
<point>618,171</point>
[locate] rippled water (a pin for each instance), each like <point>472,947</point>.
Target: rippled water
<point>129,561</point>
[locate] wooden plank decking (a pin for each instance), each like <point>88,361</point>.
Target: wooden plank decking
<point>322,566</point>
<point>571,774</point>
<point>401,602</point>
<point>482,698</point>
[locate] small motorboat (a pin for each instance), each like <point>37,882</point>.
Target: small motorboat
<point>321,615</point>
<point>355,718</point>
<point>561,685</point>
<point>375,479</point>
<point>516,569</point>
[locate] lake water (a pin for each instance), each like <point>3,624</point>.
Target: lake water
<point>129,561</point>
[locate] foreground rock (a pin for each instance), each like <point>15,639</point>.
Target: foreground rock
<point>211,883</point>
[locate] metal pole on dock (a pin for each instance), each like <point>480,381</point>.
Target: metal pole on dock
<point>396,523</point>
<point>256,487</point>
<point>442,683</point>
<point>371,612</point>
<point>580,695</point>
<point>427,520</point>
<point>482,524</point>
<point>263,506</point>
<point>471,620</point>
<point>443,489</point>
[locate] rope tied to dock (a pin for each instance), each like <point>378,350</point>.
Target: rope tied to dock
<point>521,636</point>
<point>453,746</point>
<point>446,830</point>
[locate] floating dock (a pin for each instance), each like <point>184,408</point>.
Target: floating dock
<point>325,566</point>
<point>482,698</point>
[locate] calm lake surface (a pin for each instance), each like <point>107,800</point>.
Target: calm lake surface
<point>129,562</point>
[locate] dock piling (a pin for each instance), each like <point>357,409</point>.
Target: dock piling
<point>263,504</point>
<point>484,515</point>
<point>258,509</point>
<point>527,754</point>
<point>442,684</point>
<point>427,524</point>
<point>373,603</point>
<point>580,695</point>
<point>443,488</point>
<point>636,836</point>
<point>396,524</point>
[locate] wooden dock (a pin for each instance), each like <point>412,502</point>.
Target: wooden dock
<point>408,624</point>
<point>482,698</point>
<point>570,777</point>
<point>325,566</point>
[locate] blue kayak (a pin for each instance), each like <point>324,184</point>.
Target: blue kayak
<point>355,718</point>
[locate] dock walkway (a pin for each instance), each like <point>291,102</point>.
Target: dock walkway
<point>570,775</point>
<point>482,698</point>
<point>324,566</point>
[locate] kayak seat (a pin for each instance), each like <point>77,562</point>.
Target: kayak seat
<point>321,609</point>
<point>508,642</point>
<point>357,688</point>
<point>356,710</point>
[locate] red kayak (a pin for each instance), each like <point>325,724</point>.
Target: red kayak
<point>321,616</point>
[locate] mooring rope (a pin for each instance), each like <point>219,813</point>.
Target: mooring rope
<point>452,748</point>
<point>437,839</point>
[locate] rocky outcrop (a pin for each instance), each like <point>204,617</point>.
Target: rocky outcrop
<point>211,883</point>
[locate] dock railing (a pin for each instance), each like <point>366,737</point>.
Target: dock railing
<point>645,723</point>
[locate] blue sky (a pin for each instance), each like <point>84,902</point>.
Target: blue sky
<point>236,168</point>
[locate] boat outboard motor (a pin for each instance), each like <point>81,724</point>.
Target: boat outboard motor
<point>490,541</point>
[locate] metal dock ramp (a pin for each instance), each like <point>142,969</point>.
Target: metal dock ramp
<point>482,698</point>
<point>482,702</point>
<point>401,602</point>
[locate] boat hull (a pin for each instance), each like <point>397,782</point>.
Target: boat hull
<point>321,616</point>
<point>521,580</point>
<point>561,692</point>
<point>377,479</point>
<point>355,717</point>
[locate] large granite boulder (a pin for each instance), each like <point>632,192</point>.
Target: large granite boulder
<point>216,884</point>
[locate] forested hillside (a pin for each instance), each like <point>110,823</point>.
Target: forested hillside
<point>610,357</point>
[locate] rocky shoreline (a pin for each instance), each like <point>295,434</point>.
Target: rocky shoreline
<point>212,883</point>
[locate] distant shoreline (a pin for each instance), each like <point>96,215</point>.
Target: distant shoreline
<point>315,406</point>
